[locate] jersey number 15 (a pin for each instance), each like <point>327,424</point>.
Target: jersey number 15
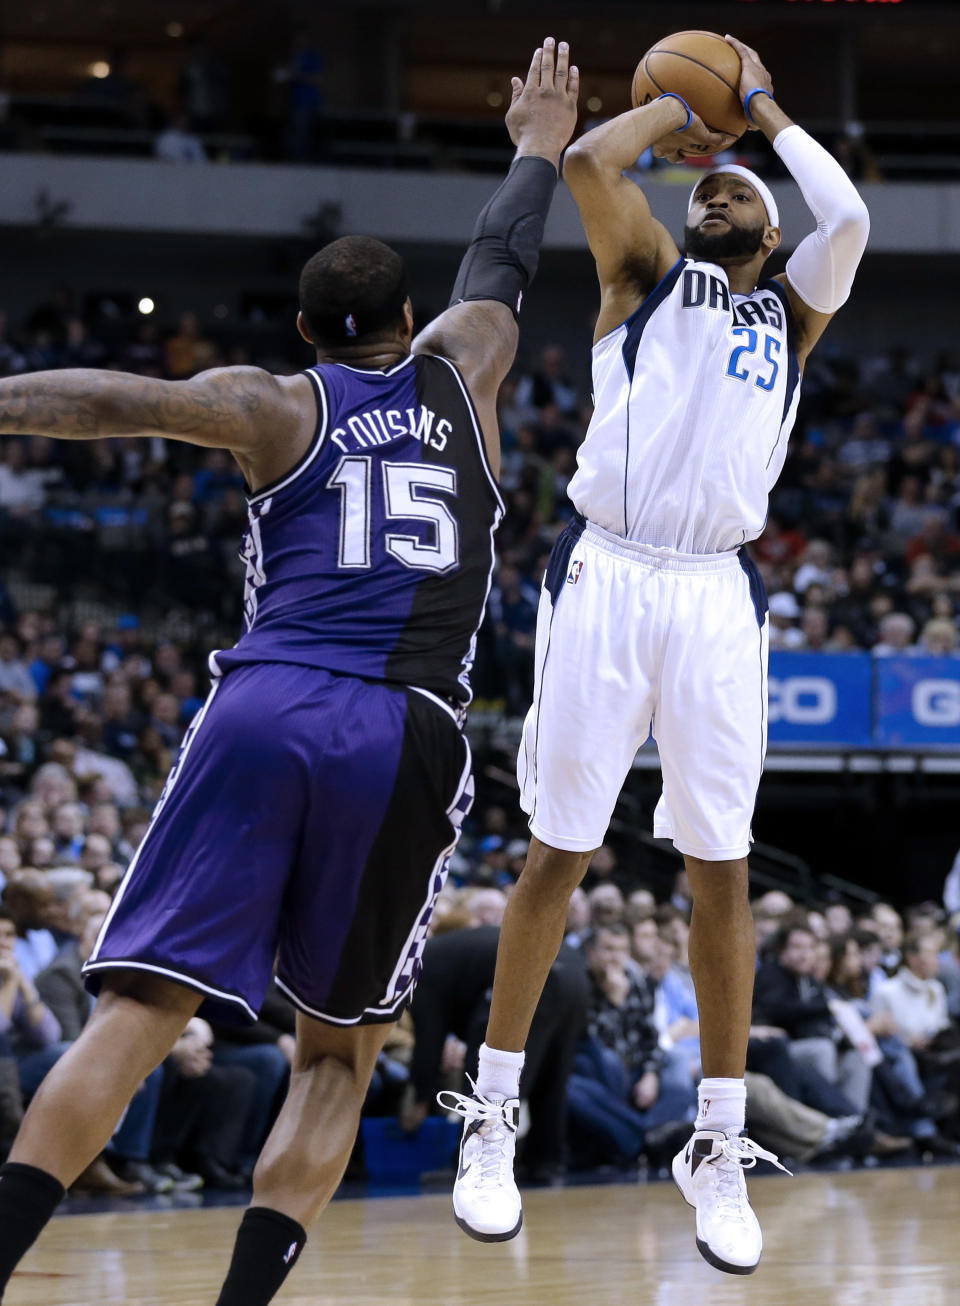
<point>404,496</point>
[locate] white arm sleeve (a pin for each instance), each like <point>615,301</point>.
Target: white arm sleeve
<point>822,267</point>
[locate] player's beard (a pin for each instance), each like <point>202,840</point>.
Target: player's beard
<point>735,242</point>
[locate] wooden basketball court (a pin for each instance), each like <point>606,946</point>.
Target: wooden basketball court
<point>873,1238</point>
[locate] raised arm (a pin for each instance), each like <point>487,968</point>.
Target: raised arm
<point>820,271</point>
<point>632,249</point>
<point>478,331</point>
<point>265,421</point>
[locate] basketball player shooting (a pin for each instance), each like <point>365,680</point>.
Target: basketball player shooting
<point>653,615</point>
<point>320,791</point>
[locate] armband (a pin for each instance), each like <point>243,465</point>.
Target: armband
<point>672,95</point>
<point>757,90</point>
<point>504,250</point>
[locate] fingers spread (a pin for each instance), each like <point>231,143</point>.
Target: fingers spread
<point>573,82</point>
<point>533,76</point>
<point>563,64</point>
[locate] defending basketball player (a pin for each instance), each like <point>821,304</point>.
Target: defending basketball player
<point>652,614</point>
<point>319,792</point>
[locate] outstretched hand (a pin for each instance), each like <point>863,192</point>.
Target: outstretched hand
<point>543,109</point>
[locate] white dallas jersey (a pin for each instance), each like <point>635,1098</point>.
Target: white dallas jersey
<point>695,396</point>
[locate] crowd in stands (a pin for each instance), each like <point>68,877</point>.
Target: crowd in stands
<point>854,1050</point>
<point>275,114</point>
<point>861,550</point>
<point>855,1044</point>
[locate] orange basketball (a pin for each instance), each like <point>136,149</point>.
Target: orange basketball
<point>703,69</point>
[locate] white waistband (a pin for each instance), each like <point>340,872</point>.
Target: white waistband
<point>660,559</point>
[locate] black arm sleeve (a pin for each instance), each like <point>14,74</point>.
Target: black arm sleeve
<point>503,253</point>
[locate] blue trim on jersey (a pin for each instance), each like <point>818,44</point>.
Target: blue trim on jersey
<point>559,565</point>
<point>637,321</point>
<point>793,356</point>
<point>758,590</point>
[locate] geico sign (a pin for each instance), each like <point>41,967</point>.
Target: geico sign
<point>936,702</point>
<point>803,700</point>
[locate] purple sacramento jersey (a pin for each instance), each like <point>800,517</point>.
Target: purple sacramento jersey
<point>374,555</point>
<point>318,794</point>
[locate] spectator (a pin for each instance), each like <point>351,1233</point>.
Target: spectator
<point>203,1111</point>
<point>9,858</point>
<point>454,997</point>
<point>549,384</point>
<point>67,829</point>
<point>813,630</point>
<point>896,635</point>
<point>28,900</point>
<point>513,611</point>
<point>303,76</point>
<point>578,918</point>
<point>784,611</point>
<point>266,1049</point>
<point>815,568</point>
<point>66,914</point>
<point>618,1092</point>
<point>178,144</point>
<point>486,907</point>
<point>889,926</point>
<point>939,638</point>
<point>16,683</point>
<point>203,88</point>
<point>787,997</point>
<point>914,997</point>
<point>606,905</point>
<point>25,1021</point>
<point>188,352</point>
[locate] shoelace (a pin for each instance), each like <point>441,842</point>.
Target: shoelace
<point>493,1130</point>
<point>734,1155</point>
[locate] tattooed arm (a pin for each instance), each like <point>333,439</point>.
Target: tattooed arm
<point>266,421</point>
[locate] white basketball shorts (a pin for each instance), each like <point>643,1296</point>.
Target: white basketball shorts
<point>632,639</point>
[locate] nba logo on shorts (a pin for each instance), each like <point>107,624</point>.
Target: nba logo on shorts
<point>575,570</point>
<point>350,322</point>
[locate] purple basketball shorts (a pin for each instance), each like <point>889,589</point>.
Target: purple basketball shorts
<point>307,823</point>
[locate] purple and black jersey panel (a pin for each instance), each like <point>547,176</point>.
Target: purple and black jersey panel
<point>374,555</point>
<point>308,819</point>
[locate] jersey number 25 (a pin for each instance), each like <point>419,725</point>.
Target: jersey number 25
<point>771,351</point>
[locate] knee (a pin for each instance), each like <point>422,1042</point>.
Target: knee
<point>552,872</point>
<point>337,1078</point>
<point>718,886</point>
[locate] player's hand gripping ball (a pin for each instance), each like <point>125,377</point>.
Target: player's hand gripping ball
<point>704,70</point>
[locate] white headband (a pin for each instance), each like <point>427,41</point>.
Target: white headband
<point>762,189</point>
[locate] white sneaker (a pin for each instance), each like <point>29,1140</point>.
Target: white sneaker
<point>486,1200</point>
<point>709,1174</point>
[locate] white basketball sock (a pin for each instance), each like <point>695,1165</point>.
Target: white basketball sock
<point>499,1072</point>
<point>723,1105</point>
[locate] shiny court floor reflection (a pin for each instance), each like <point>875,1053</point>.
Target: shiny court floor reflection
<point>873,1238</point>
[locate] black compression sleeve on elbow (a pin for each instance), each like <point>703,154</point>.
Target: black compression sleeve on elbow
<point>502,257</point>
